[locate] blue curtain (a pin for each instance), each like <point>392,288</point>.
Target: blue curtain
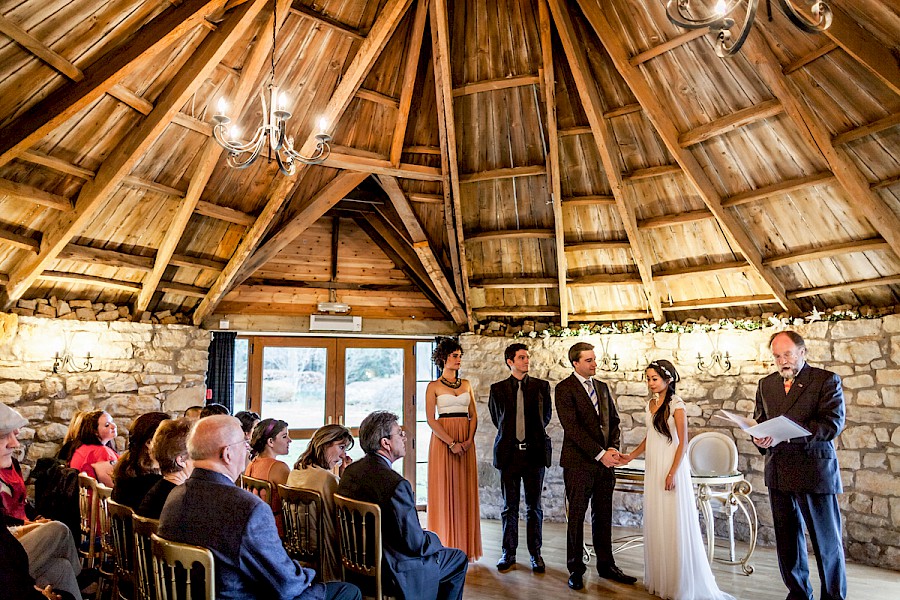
<point>220,375</point>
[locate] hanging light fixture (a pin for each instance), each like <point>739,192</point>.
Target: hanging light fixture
<point>720,21</point>
<point>271,134</point>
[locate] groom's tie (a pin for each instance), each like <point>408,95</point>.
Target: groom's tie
<point>592,394</point>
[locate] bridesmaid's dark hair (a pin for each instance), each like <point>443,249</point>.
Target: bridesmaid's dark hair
<point>444,348</point>
<point>667,371</point>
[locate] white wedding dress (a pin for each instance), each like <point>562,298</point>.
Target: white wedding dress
<point>675,563</point>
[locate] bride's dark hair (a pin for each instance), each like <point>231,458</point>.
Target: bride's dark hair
<point>667,371</point>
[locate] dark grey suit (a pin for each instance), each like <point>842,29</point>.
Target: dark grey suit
<point>803,478</point>
<point>518,465</point>
<point>586,434</point>
<point>422,568</point>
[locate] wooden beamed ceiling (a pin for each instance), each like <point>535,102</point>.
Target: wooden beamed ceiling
<point>570,160</point>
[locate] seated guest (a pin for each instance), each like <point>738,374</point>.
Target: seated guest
<point>270,439</point>
<point>250,561</point>
<point>249,420</point>
<point>422,568</point>
<point>169,449</point>
<point>193,412</point>
<point>68,443</point>
<point>94,452</point>
<point>319,469</point>
<point>42,550</point>
<point>213,408</point>
<point>136,472</point>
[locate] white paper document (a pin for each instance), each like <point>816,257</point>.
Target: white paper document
<point>779,429</point>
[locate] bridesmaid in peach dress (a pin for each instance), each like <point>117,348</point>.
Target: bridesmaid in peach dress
<point>454,512</point>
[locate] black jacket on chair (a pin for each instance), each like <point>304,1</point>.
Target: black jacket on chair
<point>502,405</point>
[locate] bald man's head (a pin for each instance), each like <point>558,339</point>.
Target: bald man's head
<point>213,433</point>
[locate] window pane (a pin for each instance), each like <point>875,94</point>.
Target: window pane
<point>373,381</point>
<point>423,440</point>
<point>294,386</point>
<point>421,483</point>
<point>240,396</point>
<point>425,369</point>
<point>420,400</point>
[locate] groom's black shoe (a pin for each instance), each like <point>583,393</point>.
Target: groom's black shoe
<point>576,581</point>
<point>506,561</point>
<point>537,564</point>
<point>615,573</point>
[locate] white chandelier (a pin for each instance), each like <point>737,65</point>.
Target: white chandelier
<point>280,146</point>
<point>720,21</point>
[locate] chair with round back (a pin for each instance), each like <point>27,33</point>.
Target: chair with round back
<point>713,454</point>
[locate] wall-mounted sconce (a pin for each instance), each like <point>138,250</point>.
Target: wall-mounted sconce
<point>608,362</point>
<point>65,359</point>
<point>716,358</point>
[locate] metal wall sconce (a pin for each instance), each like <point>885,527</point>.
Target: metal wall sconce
<point>609,363</point>
<point>65,360</point>
<point>716,358</point>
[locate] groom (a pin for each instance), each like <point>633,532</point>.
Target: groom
<point>590,451</point>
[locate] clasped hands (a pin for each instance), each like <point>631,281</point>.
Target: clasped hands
<point>614,458</point>
<point>460,447</point>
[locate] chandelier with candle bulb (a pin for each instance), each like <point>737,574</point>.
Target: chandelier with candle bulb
<point>720,21</point>
<point>271,135</point>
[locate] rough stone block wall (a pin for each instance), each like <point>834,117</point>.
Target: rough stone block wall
<point>137,367</point>
<point>865,353</point>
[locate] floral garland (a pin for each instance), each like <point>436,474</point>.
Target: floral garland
<point>649,327</point>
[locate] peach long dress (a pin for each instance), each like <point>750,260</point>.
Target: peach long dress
<point>454,512</point>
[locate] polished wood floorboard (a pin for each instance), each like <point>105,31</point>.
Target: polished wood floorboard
<point>484,582</point>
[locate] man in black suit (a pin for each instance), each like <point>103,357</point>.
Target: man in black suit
<point>422,568</point>
<point>589,453</point>
<point>520,409</point>
<point>802,474</point>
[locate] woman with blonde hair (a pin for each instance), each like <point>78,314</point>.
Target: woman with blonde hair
<point>169,449</point>
<point>319,469</point>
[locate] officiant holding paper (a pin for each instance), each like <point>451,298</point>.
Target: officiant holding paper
<point>802,473</point>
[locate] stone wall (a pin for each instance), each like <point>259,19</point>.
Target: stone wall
<point>136,367</point>
<point>865,353</point>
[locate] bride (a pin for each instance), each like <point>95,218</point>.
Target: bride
<point>675,563</point>
<point>453,509</point>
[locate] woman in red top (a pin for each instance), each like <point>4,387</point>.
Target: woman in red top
<point>270,439</point>
<point>94,453</point>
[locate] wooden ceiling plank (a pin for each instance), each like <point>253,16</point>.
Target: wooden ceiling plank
<point>28,193</point>
<point>503,173</point>
<point>122,60</point>
<point>56,164</point>
<point>651,172</point>
<point>735,266</point>
<point>864,48</point>
<point>440,53</point>
<point>735,120</point>
<point>826,251</point>
<point>500,283</point>
<point>305,11</point>
<point>20,241</point>
<point>782,187</point>
<point>846,286</point>
<point>887,122</point>
<point>610,157</point>
<point>592,200</point>
<point>665,127</point>
<point>39,49</point>
<point>606,279</point>
<point>126,154</point>
<point>599,245</point>
<point>690,216</point>
<point>553,170</point>
<point>508,234</point>
<point>423,249</point>
<point>81,278</point>
<point>703,303</point>
<point>206,163</point>
<point>376,166</point>
<point>865,203</point>
<point>378,98</point>
<point>808,58</point>
<point>102,256</point>
<point>490,85</point>
<point>410,69</point>
<point>675,42</point>
<point>516,311</point>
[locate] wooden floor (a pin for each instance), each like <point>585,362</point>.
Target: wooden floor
<point>484,582</point>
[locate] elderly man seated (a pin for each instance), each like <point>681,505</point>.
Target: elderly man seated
<point>209,510</point>
<point>422,568</point>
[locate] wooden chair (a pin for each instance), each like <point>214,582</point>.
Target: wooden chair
<point>257,487</point>
<point>106,563</point>
<point>175,570</point>
<point>144,588</point>
<point>359,524</point>
<point>122,534</point>
<point>302,513</point>
<point>88,513</point>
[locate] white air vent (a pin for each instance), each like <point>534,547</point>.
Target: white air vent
<point>334,323</point>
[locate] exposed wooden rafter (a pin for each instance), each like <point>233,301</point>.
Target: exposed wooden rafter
<point>28,193</point>
<point>502,283</point>
<point>504,173</point>
<point>24,242</point>
<point>689,216</point>
<point>846,286</point>
<point>675,42</point>
<point>606,279</point>
<point>892,120</point>
<point>598,245</point>
<point>299,8</point>
<point>379,166</point>
<point>736,120</point>
<point>782,187</point>
<point>507,234</point>
<point>516,311</point>
<point>827,251</point>
<point>410,69</point>
<point>104,282</point>
<point>809,58</point>
<point>735,266</point>
<point>667,131</point>
<point>591,200</point>
<point>728,301</point>
<point>490,85</point>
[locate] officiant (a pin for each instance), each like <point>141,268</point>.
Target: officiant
<point>802,473</point>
